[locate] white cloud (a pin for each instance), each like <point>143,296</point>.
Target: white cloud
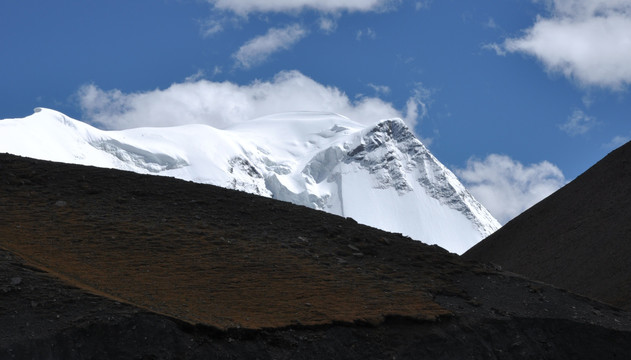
<point>418,103</point>
<point>419,5</point>
<point>221,104</point>
<point>506,187</point>
<point>587,8</point>
<point>499,49</point>
<point>245,7</point>
<point>404,59</point>
<point>380,89</point>
<point>327,24</point>
<point>258,49</point>
<point>578,123</point>
<point>200,74</point>
<point>210,27</point>
<point>368,33</point>
<point>585,40</point>
<point>616,142</point>
<point>234,11</point>
<point>490,23</point>
<point>587,100</point>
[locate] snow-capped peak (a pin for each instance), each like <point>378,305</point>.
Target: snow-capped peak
<point>380,175</point>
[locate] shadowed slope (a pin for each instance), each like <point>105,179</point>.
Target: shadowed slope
<point>91,261</point>
<point>209,255</point>
<point>578,238</point>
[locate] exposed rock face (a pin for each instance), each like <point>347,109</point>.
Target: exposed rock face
<point>578,238</point>
<point>392,151</point>
<point>136,266</point>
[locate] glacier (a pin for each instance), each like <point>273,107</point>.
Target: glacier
<point>380,175</point>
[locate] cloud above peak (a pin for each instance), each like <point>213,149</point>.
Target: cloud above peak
<point>588,41</point>
<point>221,104</point>
<point>258,49</point>
<point>245,7</point>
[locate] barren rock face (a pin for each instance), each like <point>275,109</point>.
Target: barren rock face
<point>136,266</point>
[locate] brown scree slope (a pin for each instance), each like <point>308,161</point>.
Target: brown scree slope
<point>101,264</point>
<point>205,255</point>
<point>579,238</point>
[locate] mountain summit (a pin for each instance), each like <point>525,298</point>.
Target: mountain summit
<point>380,175</point>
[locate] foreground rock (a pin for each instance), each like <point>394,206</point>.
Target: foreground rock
<point>107,264</point>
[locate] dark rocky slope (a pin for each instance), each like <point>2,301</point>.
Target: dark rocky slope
<point>99,264</point>
<point>579,238</point>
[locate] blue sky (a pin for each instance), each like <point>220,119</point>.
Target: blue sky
<point>516,97</point>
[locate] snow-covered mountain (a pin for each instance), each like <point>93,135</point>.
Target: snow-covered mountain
<point>380,175</point>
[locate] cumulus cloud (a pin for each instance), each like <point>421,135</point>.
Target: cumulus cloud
<point>258,49</point>
<point>221,104</point>
<point>588,41</point>
<point>245,7</point>
<point>507,187</point>
<point>578,123</point>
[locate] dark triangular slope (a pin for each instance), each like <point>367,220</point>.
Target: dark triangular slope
<point>578,238</point>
